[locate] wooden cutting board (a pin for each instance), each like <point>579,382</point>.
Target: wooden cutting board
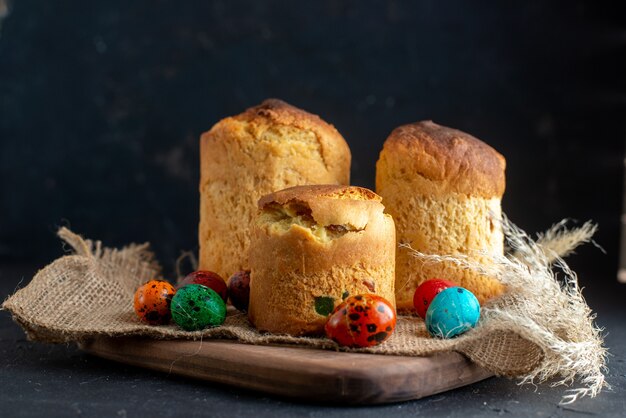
<point>303,373</point>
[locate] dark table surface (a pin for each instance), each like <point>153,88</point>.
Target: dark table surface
<point>59,380</point>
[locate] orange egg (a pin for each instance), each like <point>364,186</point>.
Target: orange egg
<point>152,302</point>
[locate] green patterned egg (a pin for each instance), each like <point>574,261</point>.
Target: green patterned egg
<point>195,307</point>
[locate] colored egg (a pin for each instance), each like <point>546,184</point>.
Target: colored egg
<point>361,321</point>
<point>426,292</point>
<point>196,307</point>
<point>209,279</point>
<point>239,290</point>
<point>152,302</point>
<point>452,312</point>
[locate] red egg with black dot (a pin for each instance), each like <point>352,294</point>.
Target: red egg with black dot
<point>426,292</point>
<point>209,279</point>
<point>361,321</point>
<point>152,302</point>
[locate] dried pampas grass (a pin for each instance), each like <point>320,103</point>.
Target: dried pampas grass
<point>543,304</point>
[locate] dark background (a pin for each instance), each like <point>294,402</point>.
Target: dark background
<point>102,104</point>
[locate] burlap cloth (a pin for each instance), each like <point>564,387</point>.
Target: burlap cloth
<point>90,293</point>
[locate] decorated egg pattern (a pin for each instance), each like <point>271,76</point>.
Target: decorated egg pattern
<point>195,307</point>
<point>452,312</point>
<point>152,302</point>
<point>426,292</point>
<point>209,279</point>
<point>361,321</point>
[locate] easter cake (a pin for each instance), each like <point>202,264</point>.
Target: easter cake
<point>312,247</point>
<point>266,148</point>
<point>443,188</point>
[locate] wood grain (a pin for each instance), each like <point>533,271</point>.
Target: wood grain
<point>303,373</point>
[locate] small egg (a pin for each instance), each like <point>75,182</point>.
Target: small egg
<point>152,302</point>
<point>361,321</point>
<point>209,279</point>
<point>426,292</point>
<point>452,312</point>
<point>239,290</point>
<point>196,307</point>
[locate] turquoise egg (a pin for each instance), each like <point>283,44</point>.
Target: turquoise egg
<point>195,307</point>
<point>452,312</point>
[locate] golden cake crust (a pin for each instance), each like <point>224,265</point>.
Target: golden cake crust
<point>452,160</point>
<point>334,150</point>
<point>314,192</point>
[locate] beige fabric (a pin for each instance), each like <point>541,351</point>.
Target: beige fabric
<point>90,293</point>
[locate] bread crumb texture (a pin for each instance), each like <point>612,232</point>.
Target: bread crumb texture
<point>268,147</point>
<point>316,242</point>
<point>451,226</point>
<point>279,219</point>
